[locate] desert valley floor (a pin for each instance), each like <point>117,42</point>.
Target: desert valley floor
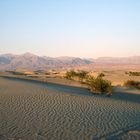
<point>36,111</point>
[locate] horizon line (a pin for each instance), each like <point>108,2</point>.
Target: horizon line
<point>69,56</point>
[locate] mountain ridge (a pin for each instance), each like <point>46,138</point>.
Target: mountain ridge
<point>31,61</point>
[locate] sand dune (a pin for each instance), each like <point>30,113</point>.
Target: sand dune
<point>33,111</point>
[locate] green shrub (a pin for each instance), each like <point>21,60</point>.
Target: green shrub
<point>81,75</point>
<point>99,85</point>
<point>132,83</point>
<point>134,73</point>
<point>101,75</point>
<point>72,74</point>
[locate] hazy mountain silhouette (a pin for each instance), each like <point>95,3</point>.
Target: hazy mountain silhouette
<point>33,62</point>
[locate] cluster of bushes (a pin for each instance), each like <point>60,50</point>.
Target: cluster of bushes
<point>17,73</point>
<point>97,85</point>
<point>132,83</point>
<point>133,73</point>
<point>81,75</point>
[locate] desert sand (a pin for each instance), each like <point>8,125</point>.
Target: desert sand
<point>37,111</point>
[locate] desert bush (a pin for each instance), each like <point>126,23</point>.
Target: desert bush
<point>96,85</point>
<point>70,74</point>
<point>18,73</point>
<point>134,73</point>
<point>126,72</point>
<point>101,75</point>
<point>99,85</point>
<point>82,75</point>
<point>47,73</point>
<point>132,83</point>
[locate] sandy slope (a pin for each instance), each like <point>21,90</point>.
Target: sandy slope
<point>33,111</point>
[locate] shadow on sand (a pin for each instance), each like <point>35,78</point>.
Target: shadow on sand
<point>119,95</point>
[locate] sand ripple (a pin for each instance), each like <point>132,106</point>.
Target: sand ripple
<point>31,111</point>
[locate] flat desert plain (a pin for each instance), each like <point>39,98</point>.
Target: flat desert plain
<point>37,111</point>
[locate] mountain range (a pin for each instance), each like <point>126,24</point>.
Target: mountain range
<point>33,62</point>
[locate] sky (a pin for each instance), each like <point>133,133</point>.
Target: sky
<point>79,28</point>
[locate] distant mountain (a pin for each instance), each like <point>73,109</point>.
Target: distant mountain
<point>6,59</point>
<point>30,61</point>
<point>33,62</point>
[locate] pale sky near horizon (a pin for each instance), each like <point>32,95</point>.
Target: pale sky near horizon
<point>82,28</point>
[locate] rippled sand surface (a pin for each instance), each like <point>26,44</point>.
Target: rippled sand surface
<point>33,111</point>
